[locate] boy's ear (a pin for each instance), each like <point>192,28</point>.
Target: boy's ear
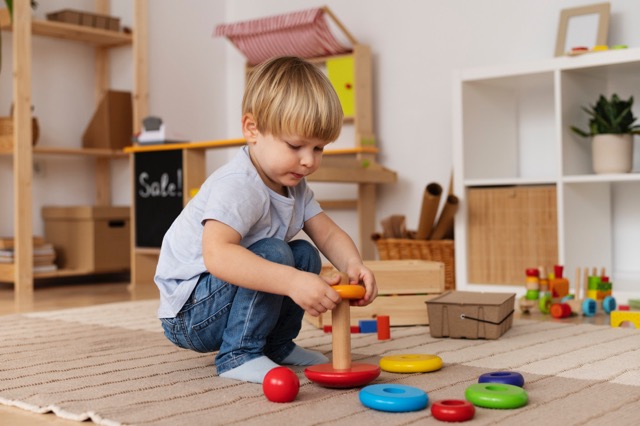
<point>249,128</point>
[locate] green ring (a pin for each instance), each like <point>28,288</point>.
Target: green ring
<point>544,304</point>
<point>496,395</point>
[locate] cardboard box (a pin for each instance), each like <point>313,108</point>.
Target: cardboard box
<point>403,288</point>
<point>111,127</point>
<point>89,238</point>
<point>471,315</point>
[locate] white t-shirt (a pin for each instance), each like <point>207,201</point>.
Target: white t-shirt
<point>236,196</point>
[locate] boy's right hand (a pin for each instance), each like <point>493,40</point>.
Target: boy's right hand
<point>313,294</point>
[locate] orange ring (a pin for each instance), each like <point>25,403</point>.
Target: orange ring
<point>350,291</point>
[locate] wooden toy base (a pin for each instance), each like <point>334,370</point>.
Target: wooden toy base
<point>327,376</point>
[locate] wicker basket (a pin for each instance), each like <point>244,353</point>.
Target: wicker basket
<point>436,250</point>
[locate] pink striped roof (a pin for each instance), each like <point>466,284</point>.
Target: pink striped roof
<point>305,33</point>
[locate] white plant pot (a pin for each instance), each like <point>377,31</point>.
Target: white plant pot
<point>612,153</point>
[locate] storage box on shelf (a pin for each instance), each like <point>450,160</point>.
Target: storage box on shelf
<point>510,229</point>
<point>89,238</point>
<point>80,17</point>
<point>403,288</point>
<point>512,129</point>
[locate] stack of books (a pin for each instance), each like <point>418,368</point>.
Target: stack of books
<point>44,255</point>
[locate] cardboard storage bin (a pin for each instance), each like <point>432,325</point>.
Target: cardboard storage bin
<point>471,315</point>
<point>89,238</point>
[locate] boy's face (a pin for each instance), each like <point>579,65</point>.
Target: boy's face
<point>282,161</point>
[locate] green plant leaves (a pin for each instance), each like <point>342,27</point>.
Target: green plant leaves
<point>610,116</point>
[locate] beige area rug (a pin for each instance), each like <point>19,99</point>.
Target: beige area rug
<point>111,364</point>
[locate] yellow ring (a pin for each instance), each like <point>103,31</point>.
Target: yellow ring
<point>350,291</point>
<point>411,363</point>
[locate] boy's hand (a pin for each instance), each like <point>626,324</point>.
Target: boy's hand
<point>364,276</point>
<point>314,295</point>
<point>359,273</point>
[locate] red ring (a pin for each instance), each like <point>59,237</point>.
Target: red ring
<point>453,410</point>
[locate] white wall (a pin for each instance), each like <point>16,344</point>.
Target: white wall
<point>196,81</point>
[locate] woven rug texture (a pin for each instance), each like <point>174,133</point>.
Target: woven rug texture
<point>112,365</point>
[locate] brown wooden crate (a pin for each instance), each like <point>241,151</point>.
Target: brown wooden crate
<point>402,310</point>
<point>509,230</point>
<point>432,250</point>
<point>404,276</point>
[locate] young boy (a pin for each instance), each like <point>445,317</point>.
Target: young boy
<point>231,278</point>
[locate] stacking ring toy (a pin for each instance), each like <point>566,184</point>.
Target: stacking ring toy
<point>342,373</point>
<point>350,291</point>
<point>504,377</point>
<point>453,410</point>
<point>410,363</point>
<point>394,398</point>
<point>496,395</point>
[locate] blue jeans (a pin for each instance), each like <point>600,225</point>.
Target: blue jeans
<point>243,324</point>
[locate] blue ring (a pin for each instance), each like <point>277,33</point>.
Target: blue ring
<point>504,377</point>
<point>393,398</point>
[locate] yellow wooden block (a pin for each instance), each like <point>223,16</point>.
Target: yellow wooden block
<point>618,317</point>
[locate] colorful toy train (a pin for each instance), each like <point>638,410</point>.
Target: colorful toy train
<point>550,294</point>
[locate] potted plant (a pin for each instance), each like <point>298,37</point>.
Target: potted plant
<point>611,128</point>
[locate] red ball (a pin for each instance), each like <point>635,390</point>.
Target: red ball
<point>281,385</point>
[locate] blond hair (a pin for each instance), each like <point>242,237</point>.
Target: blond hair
<point>289,96</point>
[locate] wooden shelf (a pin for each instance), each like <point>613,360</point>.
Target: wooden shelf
<point>7,273</point>
<point>24,28</point>
<point>61,30</point>
<point>521,114</point>
<point>88,152</point>
<point>151,251</point>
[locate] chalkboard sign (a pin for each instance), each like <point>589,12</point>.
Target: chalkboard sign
<point>158,194</point>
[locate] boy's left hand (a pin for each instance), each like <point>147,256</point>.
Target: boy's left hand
<point>360,274</point>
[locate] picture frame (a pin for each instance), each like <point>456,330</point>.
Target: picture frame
<point>587,24</point>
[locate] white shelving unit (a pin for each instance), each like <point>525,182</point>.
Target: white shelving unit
<point>512,128</point>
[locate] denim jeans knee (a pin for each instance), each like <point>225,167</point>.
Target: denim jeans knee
<point>200,323</point>
<point>257,318</point>
<point>306,256</point>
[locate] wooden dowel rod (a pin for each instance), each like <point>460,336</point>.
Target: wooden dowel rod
<point>341,330</point>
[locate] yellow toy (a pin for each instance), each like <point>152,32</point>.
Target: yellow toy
<point>618,317</point>
<point>410,363</point>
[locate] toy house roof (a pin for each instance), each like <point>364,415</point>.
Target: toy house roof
<point>305,33</point>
